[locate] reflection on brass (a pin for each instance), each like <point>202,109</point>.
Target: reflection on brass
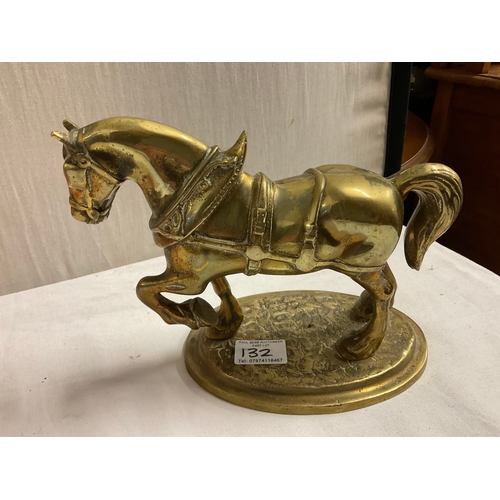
<point>213,220</point>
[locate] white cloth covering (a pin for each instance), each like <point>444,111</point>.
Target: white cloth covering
<point>86,358</point>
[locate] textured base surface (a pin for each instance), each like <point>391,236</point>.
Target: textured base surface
<point>315,380</point>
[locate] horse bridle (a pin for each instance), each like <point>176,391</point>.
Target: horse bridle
<point>84,162</point>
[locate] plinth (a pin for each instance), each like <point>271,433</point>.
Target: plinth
<point>315,378</point>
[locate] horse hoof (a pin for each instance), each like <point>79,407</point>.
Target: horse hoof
<point>356,348</point>
<point>215,334</point>
<point>344,353</point>
<point>203,312</point>
<point>224,330</point>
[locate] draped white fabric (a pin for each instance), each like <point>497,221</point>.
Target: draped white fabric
<point>85,358</point>
<point>298,115</point>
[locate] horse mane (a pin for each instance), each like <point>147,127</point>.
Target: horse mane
<point>145,135</point>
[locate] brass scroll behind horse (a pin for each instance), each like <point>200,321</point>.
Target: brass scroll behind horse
<point>213,219</point>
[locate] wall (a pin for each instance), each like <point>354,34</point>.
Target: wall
<point>298,115</point>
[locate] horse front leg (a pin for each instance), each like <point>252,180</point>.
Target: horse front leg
<point>194,313</point>
<point>377,299</point>
<point>229,312</point>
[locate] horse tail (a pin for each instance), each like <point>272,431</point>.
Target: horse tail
<point>439,190</point>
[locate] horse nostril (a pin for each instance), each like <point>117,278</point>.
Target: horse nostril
<point>93,214</point>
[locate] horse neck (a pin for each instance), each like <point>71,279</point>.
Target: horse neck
<point>155,156</point>
<point>159,173</point>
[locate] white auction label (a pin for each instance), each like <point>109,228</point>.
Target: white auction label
<point>260,352</point>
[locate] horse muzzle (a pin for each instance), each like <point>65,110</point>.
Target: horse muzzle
<point>89,215</point>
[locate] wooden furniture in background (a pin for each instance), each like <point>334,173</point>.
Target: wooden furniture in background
<point>466,126</point>
<point>419,142</point>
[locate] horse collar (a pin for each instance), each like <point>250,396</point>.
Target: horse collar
<point>199,195</point>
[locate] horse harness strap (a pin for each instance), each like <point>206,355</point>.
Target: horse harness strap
<point>311,223</point>
<point>260,222</point>
<point>202,193</point>
<point>260,234</point>
<point>207,188</point>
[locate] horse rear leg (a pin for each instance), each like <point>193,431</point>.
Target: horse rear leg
<point>229,312</point>
<point>363,309</point>
<point>380,287</point>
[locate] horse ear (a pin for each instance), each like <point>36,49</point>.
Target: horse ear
<point>69,126</point>
<point>62,137</point>
<point>240,147</point>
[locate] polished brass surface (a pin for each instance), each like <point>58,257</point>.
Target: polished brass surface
<point>214,220</point>
<point>315,379</point>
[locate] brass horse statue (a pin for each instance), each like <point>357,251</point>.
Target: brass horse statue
<point>213,220</point>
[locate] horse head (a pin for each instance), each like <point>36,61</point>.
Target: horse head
<point>91,187</point>
<point>162,160</point>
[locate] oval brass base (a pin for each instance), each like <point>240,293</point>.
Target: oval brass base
<point>315,380</point>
